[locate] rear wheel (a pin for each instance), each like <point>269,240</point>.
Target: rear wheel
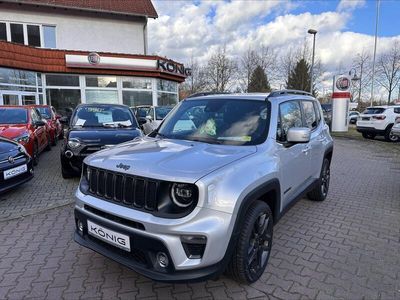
<point>48,147</point>
<point>320,192</point>
<point>35,155</point>
<point>391,137</point>
<point>370,136</point>
<point>253,248</point>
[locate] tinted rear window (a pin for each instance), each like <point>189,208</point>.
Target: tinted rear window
<point>374,110</point>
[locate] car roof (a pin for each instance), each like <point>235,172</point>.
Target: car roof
<point>276,95</point>
<point>102,104</point>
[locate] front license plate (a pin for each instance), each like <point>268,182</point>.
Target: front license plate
<point>15,171</point>
<point>109,236</point>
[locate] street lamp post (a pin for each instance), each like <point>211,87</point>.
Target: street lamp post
<point>313,32</point>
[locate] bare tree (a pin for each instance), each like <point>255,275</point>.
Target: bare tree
<point>247,64</point>
<point>362,64</point>
<point>268,61</point>
<point>196,82</point>
<point>220,71</point>
<point>388,70</point>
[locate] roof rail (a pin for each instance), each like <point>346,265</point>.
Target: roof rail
<point>288,92</point>
<point>205,94</point>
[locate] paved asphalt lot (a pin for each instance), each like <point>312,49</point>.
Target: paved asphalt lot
<point>345,247</point>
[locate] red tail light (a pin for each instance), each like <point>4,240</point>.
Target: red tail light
<point>379,117</point>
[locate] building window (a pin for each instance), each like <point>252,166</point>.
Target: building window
<point>101,81</point>
<point>167,86</point>
<point>49,36</point>
<point>166,99</point>
<point>64,100</point>
<point>101,96</point>
<point>19,77</point>
<point>136,83</point>
<point>17,33</point>
<point>33,35</point>
<point>135,98</point>
<point>62,80</point>
<point>3,31</point>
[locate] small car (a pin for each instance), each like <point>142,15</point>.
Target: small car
<point>93,127</point>
<point>52,118</point>
<point>201,194</point>
<point>16,166</point>
<point>150,117</point>
<point>24,125</point>
<point>353,116</point>
<point>396,128</point>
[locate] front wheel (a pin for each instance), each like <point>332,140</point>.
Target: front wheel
<point>253,247</point>
<point>391,137</point>
<point>320,192</point>
<point>35,154</point>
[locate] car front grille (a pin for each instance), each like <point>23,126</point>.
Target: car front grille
<point>137,192</point>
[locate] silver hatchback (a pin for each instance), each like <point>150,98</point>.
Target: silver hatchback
<point>200,195</point>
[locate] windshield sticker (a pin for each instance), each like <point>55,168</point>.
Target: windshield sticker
<point>80,122</point>
<point>95,109</point>
<point>105,117</point>
<point>209,128</point>
<point>245,138</point>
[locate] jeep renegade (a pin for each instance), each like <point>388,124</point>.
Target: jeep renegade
<point>201,193</point>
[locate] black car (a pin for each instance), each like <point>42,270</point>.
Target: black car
<point>93,127</point>
<point>16,165</point>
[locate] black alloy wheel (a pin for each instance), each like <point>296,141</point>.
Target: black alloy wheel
<point>321,189</point>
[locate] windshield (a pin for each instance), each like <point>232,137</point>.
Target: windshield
<point>13,116</point>
<point>373,110</point>
<point>161,112</point>
<point>45,112</point>
<point>103,116</point>
<point>218,121</point>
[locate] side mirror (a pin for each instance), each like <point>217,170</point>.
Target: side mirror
<point>142,121</point>
<point>64,120</point>
<point>298,135</point>
<point>39,123</point>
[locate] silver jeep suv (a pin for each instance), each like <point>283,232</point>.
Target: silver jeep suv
<point>200,194</point>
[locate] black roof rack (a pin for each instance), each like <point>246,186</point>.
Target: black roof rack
<point>288,92</point>
<point>205,94</point>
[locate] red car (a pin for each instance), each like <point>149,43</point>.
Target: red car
<point>24,125</point>
<point>50,115</point>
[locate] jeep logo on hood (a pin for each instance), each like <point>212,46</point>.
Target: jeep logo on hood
<point>122,166</point>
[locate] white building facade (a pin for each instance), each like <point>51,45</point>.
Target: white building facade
<point>63,53</point>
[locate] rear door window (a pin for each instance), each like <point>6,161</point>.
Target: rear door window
<point>374,110</point>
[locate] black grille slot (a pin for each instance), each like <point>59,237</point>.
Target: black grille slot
<point>128,190</point>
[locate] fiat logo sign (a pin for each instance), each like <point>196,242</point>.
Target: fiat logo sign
<point>343,83</point>
<point>94,58</point>
<point>11,159</point>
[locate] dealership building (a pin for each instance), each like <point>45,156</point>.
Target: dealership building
<point>66,52</point>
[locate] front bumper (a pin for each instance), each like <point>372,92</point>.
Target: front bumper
<point>158,235</point>
<point>6,185</point>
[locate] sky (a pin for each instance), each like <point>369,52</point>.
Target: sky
<point>196,28</point>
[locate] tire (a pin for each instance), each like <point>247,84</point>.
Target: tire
<point>389,137</point>
<point>66,170</point>
<point>320,192</point>
<point>252,249</point>
<point>48,147</point>
<point>369,136</point>
<point>35,156</point>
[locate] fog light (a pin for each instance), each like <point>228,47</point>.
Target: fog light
<point>162,259</point>
<point>80,226</point>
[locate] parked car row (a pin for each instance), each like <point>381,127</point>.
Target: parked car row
<point>25,132</point>
<point>150,117</point>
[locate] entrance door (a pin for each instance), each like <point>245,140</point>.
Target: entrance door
<point>17,98</point>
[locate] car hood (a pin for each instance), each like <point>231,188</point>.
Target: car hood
<point>6,147</point>
<point>104,136</point>
<point>12,131</point>
<point>170,160</point>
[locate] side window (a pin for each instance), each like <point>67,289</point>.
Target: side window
<point>317,112</point>
<point>397,110</point>
<point>309,114</point>
<point>289,116</point>
<point>151,113</point>
<point>34,116</point>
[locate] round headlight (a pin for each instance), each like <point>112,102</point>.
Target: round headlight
<point>73,143</point>
<point>183,194</point>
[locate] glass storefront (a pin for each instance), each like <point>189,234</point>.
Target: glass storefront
<point>66,91</point>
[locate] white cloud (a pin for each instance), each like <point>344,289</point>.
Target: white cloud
<point>350,4</point>
<point>197,29</point>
